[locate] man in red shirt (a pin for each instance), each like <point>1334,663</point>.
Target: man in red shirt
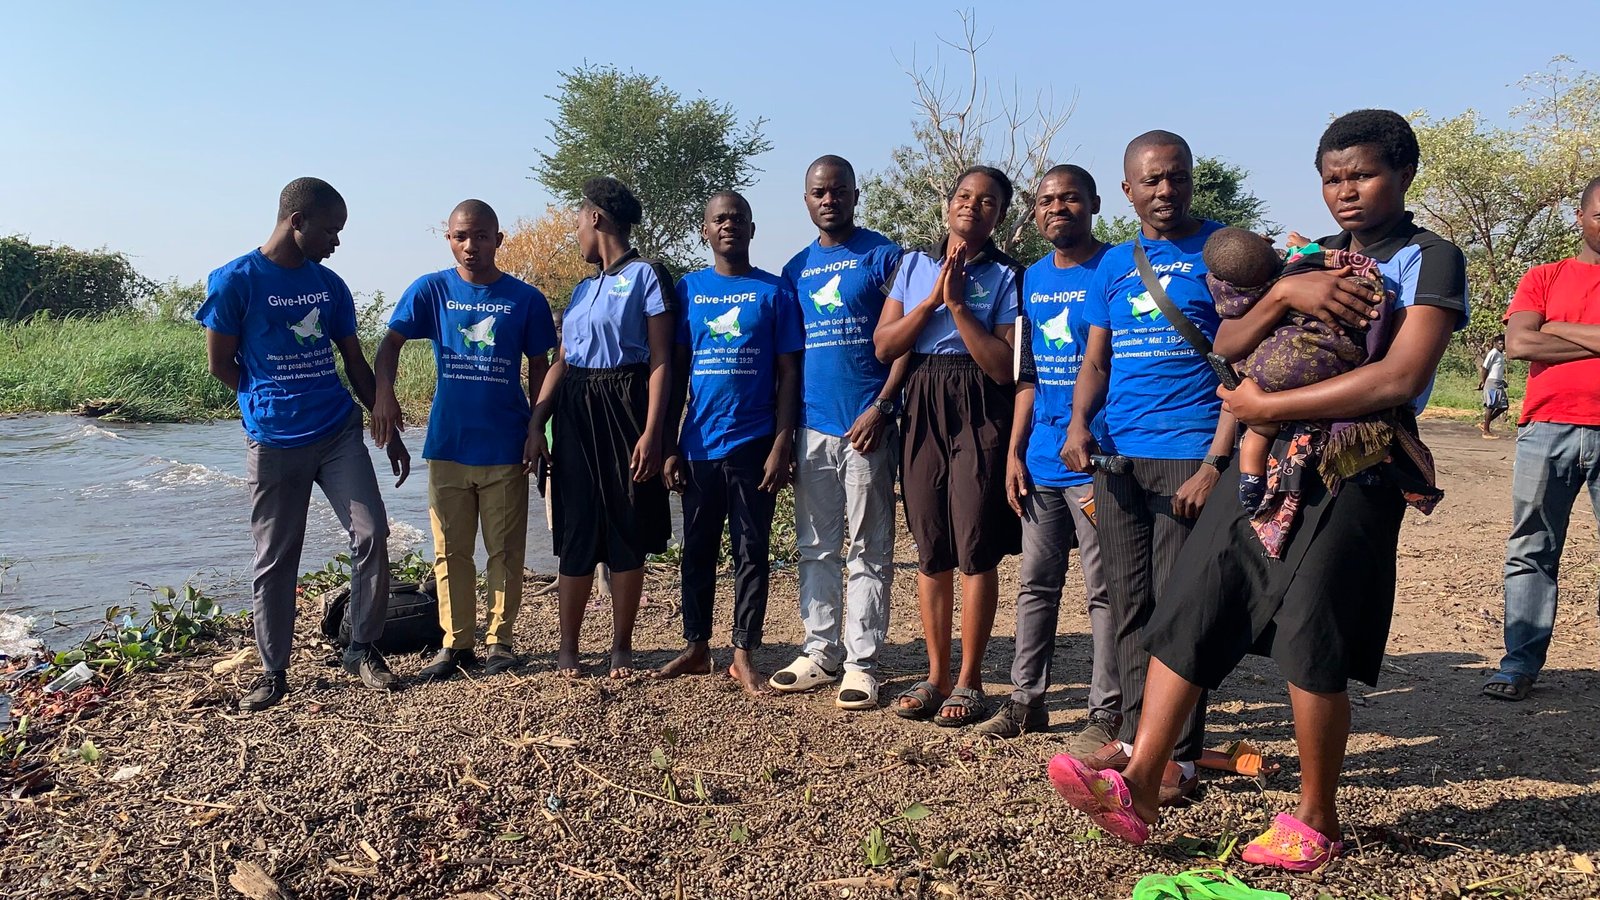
<point>1554,322</point>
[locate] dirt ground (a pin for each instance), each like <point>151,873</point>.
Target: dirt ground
<point>535,785</point>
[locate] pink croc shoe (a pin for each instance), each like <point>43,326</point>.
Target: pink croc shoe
<point>1103,796</point>
<point>1293,845</point>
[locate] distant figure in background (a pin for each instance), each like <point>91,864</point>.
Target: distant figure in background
<point>482,441</point>
<point>1492,381</point>
<point>607,394</point>
<point>736,375</point>
<point>1554,322</point>
<point>273,318</point>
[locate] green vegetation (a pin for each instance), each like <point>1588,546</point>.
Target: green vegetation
<point>144,368</point>
<point>37,278</point>
<point>1455,390</point>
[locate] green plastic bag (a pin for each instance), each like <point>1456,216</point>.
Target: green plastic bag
<point>1199,884</point>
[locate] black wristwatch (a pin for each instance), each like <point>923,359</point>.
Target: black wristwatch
<point>1217,461</point>
<point>884,405</point>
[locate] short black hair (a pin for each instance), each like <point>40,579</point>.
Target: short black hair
<point>1383,128</point>
<point>615,199</point>
<point>1076,173</point>
<point>998,177</point>
<point>833,162</point>
<point>309,196</point>
<point>1588,189</point>
<point>476,209</point>
<point>731,194</point>
<point>1155,138</point>
<point>1241,258</point>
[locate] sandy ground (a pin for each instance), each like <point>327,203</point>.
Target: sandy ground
<point>535,785</point>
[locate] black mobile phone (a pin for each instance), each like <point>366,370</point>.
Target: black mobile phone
<point>541,473</point>
<point>1224,370</point>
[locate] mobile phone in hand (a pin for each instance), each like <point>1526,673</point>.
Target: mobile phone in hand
<point>1224,370</point>
<point>541,473</point>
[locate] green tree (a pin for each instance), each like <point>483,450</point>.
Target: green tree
<point>1507,195</point>
<point>38,278</point>
<point>1219,194</point>
<point>959,125</point>
<point>673,152</point>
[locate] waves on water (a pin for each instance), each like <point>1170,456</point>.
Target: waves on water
<point>16,636</point>
<point>176,474</point>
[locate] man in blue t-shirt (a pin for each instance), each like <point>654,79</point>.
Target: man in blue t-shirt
<point>1056,504</point>
<point>273,319</point>
<point>845,468</point>
<point>737,367</point>
<point>1161,412</point>
<point>482,442</point>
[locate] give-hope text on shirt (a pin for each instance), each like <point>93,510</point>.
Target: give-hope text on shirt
<point>734,327</point>
<point>1052,304</point>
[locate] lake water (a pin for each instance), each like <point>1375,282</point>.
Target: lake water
<point>90,510</point>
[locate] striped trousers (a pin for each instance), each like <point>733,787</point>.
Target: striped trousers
<point>1139,542</point>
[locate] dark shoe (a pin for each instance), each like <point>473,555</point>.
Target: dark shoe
<point>1177,790</point>
<point>1098,731</point>
<point>1014,720</point>
<point>372,670</point>
<point>1108,756</point>
<point>500,658</point>
<point>265,692</point>
<point>446,664</point>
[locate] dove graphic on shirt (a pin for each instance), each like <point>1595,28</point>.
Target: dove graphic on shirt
<point>1055,331</point>
<point>1143,306</point>
<point>977,291</point>
<point>828,298</point>
<point>621,286</point>
<point>309,328</point>
<point>725,326</point>
<point>479,336</point>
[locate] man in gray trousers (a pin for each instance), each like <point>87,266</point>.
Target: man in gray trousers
<point>1056,504</point>
<point>273,319</point>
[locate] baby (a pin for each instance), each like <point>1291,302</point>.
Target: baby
<point>1301,350</point>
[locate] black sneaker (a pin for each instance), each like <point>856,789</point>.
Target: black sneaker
<point>372,670</point>
<point>265,692</point>
<point>446,664</point>
<point>1098,732</point>
<point>1014,720</point>
<point>500,658</point>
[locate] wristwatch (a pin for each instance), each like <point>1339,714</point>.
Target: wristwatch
<point>884,405</point>
<point>1217,461</point>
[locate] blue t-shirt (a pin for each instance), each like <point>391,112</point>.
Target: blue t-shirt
<point>840,293</point>
<point>1162,401</point>
<point>1052,305</point>
<point>480,333</point>
<point>734,327</point>
<point>607,323</point>
<point>287,322</point>
<point>992,288</point>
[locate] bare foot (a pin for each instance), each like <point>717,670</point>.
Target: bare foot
<point>567,663</point>
<point>1145,807</point>
<point>621,662</point>
<point>694,660</point>
<point>745,672</point>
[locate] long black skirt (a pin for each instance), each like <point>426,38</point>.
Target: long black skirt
<point>1322,612</point>
<point>601,515</point>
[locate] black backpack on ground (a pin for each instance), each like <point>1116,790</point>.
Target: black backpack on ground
<point>412,624</point>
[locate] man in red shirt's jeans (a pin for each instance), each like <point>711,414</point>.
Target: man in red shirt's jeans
<point>1554,322</point>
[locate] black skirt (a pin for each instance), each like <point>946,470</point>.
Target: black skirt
<point>958,423</point>
<point>1322,612</point>
<point>601,515</point>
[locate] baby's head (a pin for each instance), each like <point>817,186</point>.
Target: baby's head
<point>1241,258</point>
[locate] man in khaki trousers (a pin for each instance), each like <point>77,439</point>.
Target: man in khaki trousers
<point>481,442</point>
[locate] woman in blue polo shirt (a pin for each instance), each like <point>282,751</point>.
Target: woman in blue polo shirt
<point>953,307</point>
<point>607,392</point>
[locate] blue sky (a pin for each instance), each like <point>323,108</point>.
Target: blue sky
<point>166,130</point>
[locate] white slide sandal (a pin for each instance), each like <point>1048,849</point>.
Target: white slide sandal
<point>801,675</point>
<point>858,690</point>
